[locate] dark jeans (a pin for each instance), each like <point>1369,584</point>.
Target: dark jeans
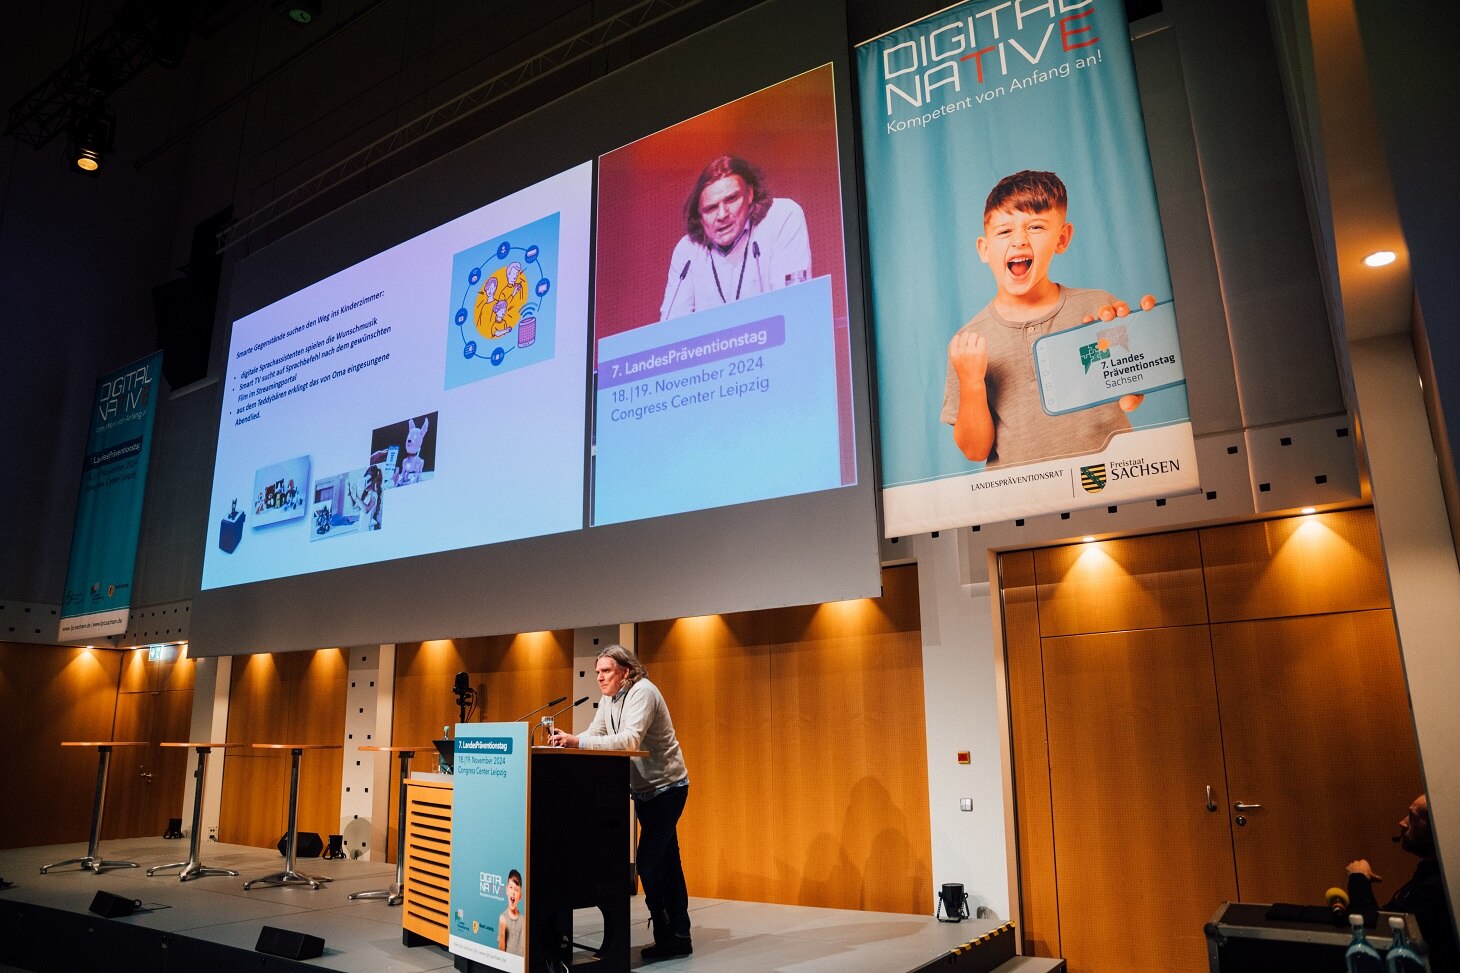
<point>659,866</point>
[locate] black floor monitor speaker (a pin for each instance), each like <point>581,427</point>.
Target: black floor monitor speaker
<point>113,906</point>
<point>310,845</point>
<point>288,943</point>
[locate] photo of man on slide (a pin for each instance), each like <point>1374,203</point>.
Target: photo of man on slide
<point>991,396</point>
<point>722,363</point>
<point>739,241</point>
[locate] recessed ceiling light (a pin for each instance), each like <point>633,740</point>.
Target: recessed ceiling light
<point>1309,510</point>
<point>1380,258</point>
<point>1087,539</point>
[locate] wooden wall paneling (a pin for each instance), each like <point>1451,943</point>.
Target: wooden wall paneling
<point>50,693</point>
<point>850,771</point>
<point>178,674</point>
<point>1318,730</point>
<point>137,675</point>
<point>141,674</point>
<point>512,675</point>
<point>1133,743</point>
<point>849,760</point>
<point>255,783</point>
<point>1295,566</point>
<point>1033,822</point>
<point>803,733</point>
<point>515,675</point>
<point>1131,583</point>
<point>423,704</point>
<point>291,697</point>
<point>715,674</point>
<point>253,809</point>
<point>252,716</point>
<point>896,610</point>
<point>316,705</point>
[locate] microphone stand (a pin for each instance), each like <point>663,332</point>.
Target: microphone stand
<point>465,700</point>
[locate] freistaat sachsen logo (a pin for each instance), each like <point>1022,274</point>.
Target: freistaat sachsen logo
<point>1092,478</point>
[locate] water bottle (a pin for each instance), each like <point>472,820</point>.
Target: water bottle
<point>1361,957</point>
<point>1402,957</point>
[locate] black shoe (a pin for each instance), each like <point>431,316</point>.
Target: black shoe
<point>667,948</point>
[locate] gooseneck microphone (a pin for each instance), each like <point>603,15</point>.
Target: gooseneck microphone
<point>528,716</point>
<point>670,306</point>
<point>573,705</point>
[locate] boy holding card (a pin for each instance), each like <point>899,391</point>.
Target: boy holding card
<point>991,394</point>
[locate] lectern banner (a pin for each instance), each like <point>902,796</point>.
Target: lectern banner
<point>489,846</point>
<point>1012,220</point>
<point>98,594</point>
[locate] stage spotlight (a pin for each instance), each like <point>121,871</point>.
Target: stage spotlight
<point>300,11</point>
<point>91,139</point>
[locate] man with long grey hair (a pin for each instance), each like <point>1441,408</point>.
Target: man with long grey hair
<point>633,716</point>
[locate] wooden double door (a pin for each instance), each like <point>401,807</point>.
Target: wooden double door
<point>146,785</point>
<point>1192,764</point>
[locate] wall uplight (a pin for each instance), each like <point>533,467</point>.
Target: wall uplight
<point>1380,258</point>
<point>1309,510</point>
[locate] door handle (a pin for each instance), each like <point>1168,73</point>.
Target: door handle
<point>1239,806</point>
<point>146,776</point>
<point>1211,801</point>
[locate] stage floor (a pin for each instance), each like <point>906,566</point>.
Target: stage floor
<point>365,936</point>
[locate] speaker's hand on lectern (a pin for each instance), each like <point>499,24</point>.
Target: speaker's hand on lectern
<point>561,739</point>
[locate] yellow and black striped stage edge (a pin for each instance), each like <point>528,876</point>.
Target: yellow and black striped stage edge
<point>987,953</point>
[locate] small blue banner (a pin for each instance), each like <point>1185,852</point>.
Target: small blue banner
<point>98,593</point>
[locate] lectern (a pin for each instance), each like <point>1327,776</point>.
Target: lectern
<point>559,817</point>
<point>580,855</point>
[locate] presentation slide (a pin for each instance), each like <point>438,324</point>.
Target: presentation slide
<point>732,404</point>
<point>720,316</point>
<point>428,398</point>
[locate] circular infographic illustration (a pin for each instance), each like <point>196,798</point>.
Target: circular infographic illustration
<point>498,311</point>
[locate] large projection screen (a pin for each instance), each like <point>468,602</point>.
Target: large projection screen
<point>408,502</point>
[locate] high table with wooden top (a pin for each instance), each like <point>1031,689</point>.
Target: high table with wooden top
<point>104,756</point>
<point>289,876</point>
<point>194,867</point>
<point>393,895</point>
